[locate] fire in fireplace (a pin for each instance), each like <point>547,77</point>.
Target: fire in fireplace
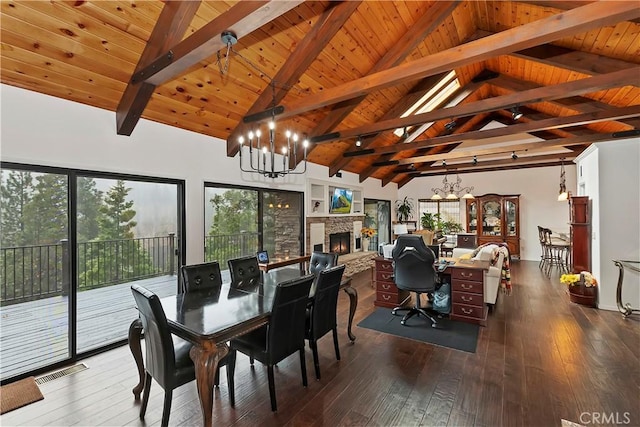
<point>340,242</point>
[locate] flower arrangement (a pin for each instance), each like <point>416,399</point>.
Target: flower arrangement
<point>367,232</point>
<point>575,279</point>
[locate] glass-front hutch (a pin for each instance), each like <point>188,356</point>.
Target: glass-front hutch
<point>495,218</point>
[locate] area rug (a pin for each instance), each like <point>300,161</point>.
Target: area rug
<point>449,333</point>
<point>19,394</point>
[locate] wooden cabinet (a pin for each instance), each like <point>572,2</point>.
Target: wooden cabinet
<point>467,295</point>
<point>580,233</point>
<point>495,218</point>
<point>387,294</point>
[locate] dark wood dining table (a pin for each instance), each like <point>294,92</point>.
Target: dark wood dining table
<point>209,319</point>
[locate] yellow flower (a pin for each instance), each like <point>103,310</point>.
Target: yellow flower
<point>574,279</point>
<point>367,232</point>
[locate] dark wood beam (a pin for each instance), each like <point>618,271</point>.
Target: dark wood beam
<point>551,123</point>
<point>542,93</point>
<point>170,28</point>
<point>424,26</point>
<point>243,18</point>
<point>327,25</point>
<point>545,30</point>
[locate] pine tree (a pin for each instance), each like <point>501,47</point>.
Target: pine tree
<point>46,214</point>
<point>15,192</point>
<point>89,204</point>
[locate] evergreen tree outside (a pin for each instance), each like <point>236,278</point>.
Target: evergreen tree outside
<point>89,204</point>
<point>46,214</point>
<point>16,190</point>
<point>234,224</point>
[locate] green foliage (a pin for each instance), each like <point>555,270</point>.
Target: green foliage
<point>450,227</point>
<point>404,209</point>
<point>430,221</point>
<point>116,221</point>
<point>89,204</point>
<point>15,192</point>
<point>46,214</point>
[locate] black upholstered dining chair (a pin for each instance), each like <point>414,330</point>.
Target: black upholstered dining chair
<point>320,261</point>
<point>244,271</point>
<point>321,315</point>
<point>201,276</point>
<point>167,357</point>
<point>283,335</point>
<point>414,271</point>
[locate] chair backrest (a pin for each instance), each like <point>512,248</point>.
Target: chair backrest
<point>413,267</point>
<point>321,261</point>
<point>287,321</point>
<point>201,276</point>
<point>160,360</point>
<point>325,302</point>
<point>244,271</point>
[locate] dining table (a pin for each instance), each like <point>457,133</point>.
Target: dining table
<point>210,318</point>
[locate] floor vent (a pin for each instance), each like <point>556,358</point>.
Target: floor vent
<point>61,373</point>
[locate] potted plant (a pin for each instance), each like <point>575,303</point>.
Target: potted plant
<point>450,227</point>
<point>582,288</point>
<point>404,209</point>
<point>367,233</point>
<point>430,221</point>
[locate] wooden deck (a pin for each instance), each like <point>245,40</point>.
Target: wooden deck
<point>35,333</point>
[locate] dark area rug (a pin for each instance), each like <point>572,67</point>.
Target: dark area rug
<point>18,394</point>
<point>449,333</point>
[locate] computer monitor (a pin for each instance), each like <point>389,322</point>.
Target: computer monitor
<point>436,250</point>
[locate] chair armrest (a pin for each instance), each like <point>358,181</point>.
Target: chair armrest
<point>494,272</point>
<point>458,252</point>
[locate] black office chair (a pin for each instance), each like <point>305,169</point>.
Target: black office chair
<point>283,336</point>
<point>244,271</point>
<point>318,262</point>
<point>167,357</point>
<point>201,276</point>
<point>414,271</point>
<point>321,316</point>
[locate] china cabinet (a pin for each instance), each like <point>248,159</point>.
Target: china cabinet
<point>495,218</point>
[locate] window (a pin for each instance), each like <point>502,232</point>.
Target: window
<point>449,210</point>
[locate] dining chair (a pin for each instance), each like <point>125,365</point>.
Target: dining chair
<point>201,276</point>
<point>244,271</point>
<point>321,316</point>
<point>167,357</point>
<point>283,335</point>
<point>320,261</point>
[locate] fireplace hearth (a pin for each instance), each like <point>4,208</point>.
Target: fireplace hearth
<point>340,243</point>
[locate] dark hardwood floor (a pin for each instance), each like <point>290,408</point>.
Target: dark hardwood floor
<point>539,360</point>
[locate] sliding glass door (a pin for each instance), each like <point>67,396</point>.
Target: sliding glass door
<point>240,221</point>
<point>377,215</point>
<point>35,268</point>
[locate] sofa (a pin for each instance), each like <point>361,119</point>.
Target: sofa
<point>493,276</point>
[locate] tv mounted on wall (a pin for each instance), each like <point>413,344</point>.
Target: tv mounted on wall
<point>341,201</point>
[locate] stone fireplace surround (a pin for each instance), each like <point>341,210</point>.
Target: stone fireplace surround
<point>355,261</point>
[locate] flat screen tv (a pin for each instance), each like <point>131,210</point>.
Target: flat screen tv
<point>341,201</point>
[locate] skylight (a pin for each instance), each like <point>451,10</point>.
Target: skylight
<point>433,98</point>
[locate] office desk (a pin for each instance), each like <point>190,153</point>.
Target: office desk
<point>467,290</point>
<point>209,319</point>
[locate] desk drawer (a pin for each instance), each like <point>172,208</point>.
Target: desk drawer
<point>388,287</point>
<point>384,265</point>
<point>390,300</point>
<point>468,287</point>
<point>476,312</point>
<point>384,276</point>
<point>467,274</point>
<point>467,298</point>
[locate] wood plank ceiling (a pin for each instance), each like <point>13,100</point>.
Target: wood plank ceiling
<point>345,71</point>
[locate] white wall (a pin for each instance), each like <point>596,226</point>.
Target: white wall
<point>538,189</point>
<point>43,130</point>
<point>611,176</point>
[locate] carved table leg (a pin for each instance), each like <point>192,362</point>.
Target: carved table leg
<point>353,304</point>
<point>205,357</point>
<point>135,333</point>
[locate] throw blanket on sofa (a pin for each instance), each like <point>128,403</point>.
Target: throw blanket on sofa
<point>505,281</point>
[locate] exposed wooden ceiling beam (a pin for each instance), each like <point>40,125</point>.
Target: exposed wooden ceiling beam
<point>542,93</point>
<point>562,4</point>
<point>542,31</point>
<point>551,123</point>
<point>424,26</point>
<point>170,28</point>
<point>243,18</point>
<point>327,25</point>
